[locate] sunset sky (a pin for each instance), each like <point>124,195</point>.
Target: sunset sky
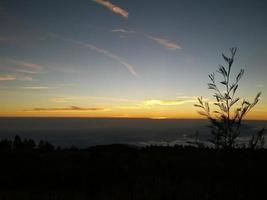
<point>126,58</point>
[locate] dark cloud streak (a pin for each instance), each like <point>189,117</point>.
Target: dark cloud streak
<point>71,108</point>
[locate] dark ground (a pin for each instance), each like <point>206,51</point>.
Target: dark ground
<point>123,172</point>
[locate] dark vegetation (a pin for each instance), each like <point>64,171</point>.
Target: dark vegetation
<point>29,171</point>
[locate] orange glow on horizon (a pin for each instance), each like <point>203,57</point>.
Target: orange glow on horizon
<point>119,114</point>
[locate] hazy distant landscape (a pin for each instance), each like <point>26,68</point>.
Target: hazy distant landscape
<point>84,132</point>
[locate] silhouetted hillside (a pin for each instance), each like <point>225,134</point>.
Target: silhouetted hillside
<point>127,172</point>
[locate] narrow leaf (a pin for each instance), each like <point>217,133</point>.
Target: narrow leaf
<point>202,113</point>
<point>258,95</point>
<point>239,76</point>
<point>234,101</point>
<point>222,70</point>
<point>207,107</point>
<point>212,86</point>
<point>226,58</point>
<point>196,105</point>
<point>247,103</point>
<point>232,87</point>
<point>235,88</point>
<point>200,100</point>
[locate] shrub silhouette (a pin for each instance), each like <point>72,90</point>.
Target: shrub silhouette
<point>257,141</point>
<point>5,145</point>
<point>29,144</point>
<point>226,119</point>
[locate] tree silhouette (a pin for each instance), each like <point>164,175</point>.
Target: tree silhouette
<point>17,143</point>
<point>45,146</point>
<point>230,110</point>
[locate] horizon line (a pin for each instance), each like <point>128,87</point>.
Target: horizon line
<point>141,118</point>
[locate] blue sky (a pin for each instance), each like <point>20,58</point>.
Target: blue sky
<point>87,53</point>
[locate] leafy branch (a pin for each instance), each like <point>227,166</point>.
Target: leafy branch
<point>226,119</point>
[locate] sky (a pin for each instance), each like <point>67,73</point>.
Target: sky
<point>126,58</point>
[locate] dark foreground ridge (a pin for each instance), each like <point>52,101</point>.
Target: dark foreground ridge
<point>121,172</point>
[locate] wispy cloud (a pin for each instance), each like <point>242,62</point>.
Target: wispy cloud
<point>26,78</point>
<point>164,42</point>
<point>36,88</point>
<point>13,77</point>
<point>26,64</point>
<point>7,78</point>
<point>16,75</point>
<point>71,108</point>
<point>104,52</point>
<point>27,71</point>
<point>86,98</point>
<point>147,104</point>
<point>121,30</point>
<point>175,102</point>
<point>32,88</point>
<point>161,41</point>
<point>115,9</point>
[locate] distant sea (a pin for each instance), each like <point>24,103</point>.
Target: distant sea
<point>85,132</point>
